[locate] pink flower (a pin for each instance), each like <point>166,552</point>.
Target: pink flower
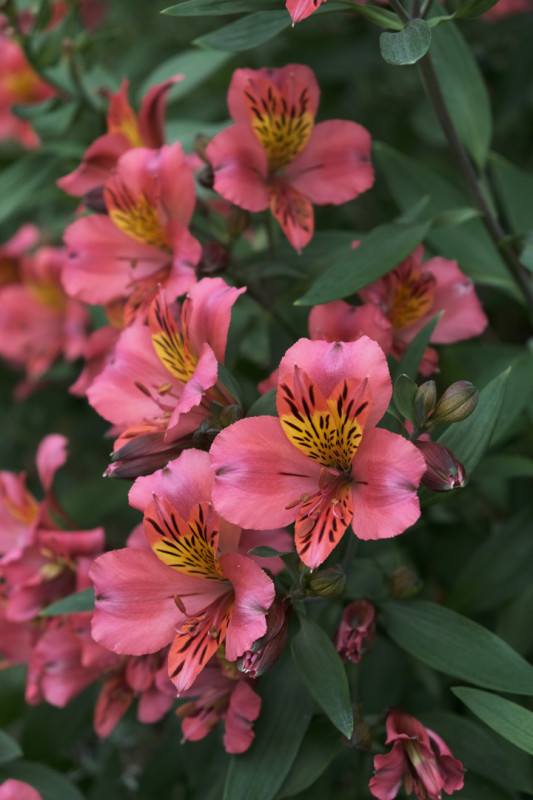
<point>38,322</point>
<point>125,130</point>
<point>301,9</point>
<point>397,307</point>
<point>195,589</point>
<point>323,463</point>
<point>18,790</point>
<point>275,156</point>
<point>142,241</point>
<point>357,632</point>
<point>418,757</point>
<point>507,8</point>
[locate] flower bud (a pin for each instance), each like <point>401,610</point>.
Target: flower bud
<point>201,140</point>
<point>237,221</point>
<point>361,737</point>
<point>457,403</point>
<point>327,582</point>
<point>214,259</point>
<point>206,177</point>
<point>443,471</point>
<point>405,582</point>
<point>94,200</point>
<point>266,651</point>
<point>357,632</point>
<point>424,403</point>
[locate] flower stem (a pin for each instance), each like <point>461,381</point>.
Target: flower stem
<point>400,10</point>
<point>491,222</point>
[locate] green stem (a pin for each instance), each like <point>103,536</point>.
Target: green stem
<point>491,222</point>
<point>400,10</point>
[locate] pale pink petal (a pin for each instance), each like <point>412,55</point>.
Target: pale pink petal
<point>455,293</point>
<point>51,455</point>
<point>279,539</point>
<point>335,165</point>
<point>203,378</point>
<point>211,301</point>
<point>254,594</point>
<point>178,194</point>
<point>243,710</point>
<point>153,705</point>
<point>260,475</point>
<point>387,470</point>
<point>328,363</point>
<point>240,166</point>
<point>184,482</point>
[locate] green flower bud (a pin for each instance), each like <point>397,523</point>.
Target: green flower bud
<point>457,403</point>
<point>327,582</point>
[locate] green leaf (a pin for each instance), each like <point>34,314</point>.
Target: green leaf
<point>229,381</point>
<point>410,363</point>
<point>515,191</point>
<point>197,8</point>
<point>323,673</point>
<point>408,45</point>
<point>20,182</point>
<point>469,243</point>
<point>498,570</point>
<point>196,66</point>
<point>455,216</point>
<point>49,783</point>
<point>469,439</point>
<point>505,466</point>
<point>481,750</point>
<point>404,396</point>
<point>285,714</point>
<point>264,406</point>
<point>9,748</point>
<point>464,90</point>
<point>473,8</point>
<point>378,253</point>
<point>510,720</point>
<point>247,32</point>
<point>526,254</point>
<point>266,552</point>
<point>457,646</point>
<point>320,746</point>
<point>379,16</point>
<point>73,604</point>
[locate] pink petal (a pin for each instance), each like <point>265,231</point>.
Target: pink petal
<point>243,710</point>
<point>211,301</point>
<point>260,475</point>
<point>152,112</point>
<point>455,293</point>
<point>184,482</point>
<point>291,81</point>
<point>240,166</point>
<point>387,470</point>
<point>12,789</point>
<point>254,594</point>
<point>293,211</point>
<point>98,162</point>
<point>51,455</point>
<point>327,364</point>
<point>335,165</point>
<point>390,769</point>
<point>203,378</point>
<point>300,9</point>
<point>340,322</point>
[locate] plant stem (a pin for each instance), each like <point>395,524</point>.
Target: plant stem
<point>400,10</point>
<point>492,224</point>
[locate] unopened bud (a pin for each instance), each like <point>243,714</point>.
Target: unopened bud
<point>227,415</point>
<point>201,140</point>
<point>206,177</point>
<point>405,582</point>
<point>424,403</point>
<point>457,403</point>
<point>328,582</point>
<point>237,221</point>
<point>443,470</point>
<point>95,201</point>
<point>214,259</point>
<point>266,651</point>
<point>356,634</point>
<point>361,737</point>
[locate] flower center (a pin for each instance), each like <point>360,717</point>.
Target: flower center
<point>135,216</point>
<point>173,348</point>
<point>413,297</point>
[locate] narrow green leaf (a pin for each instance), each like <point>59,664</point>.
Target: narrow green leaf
<point>526,254</point>
<point>457,646</point>
<point>323,673</point>
<point>196,66</point>
<point>266,552</point>
<point>266,405</point>
<point>410,363</point>
<point>455,216</point>
<point>469,439</point>
<point>481,750</point>
<point>200,8</point>
<point>247,32</point>
<point>49,783</point>
<point>464,90</point>
<point>228,380</point>
<point>510,720</point>
<point>515,191</point>
<point>379,252</point>
<point>469,243</point>
<point>20,182</point>
<point>434,21</point>
<point>73,604</point>
<point>473,8</point>
<point>9,748</point>
<point>285,714</point>
<point>406,46</point>
<point>379,16</point>
<point>320,746</point>
<point>404,396</point>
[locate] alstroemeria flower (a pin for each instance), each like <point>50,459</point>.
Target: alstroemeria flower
<point>160,382</point>
<point>194,589</point>
<point>143,240</point>
<point>356,633</point>
<point>419,758</point>
<point>275,156</point>
<point>323,464</point>
<point>18,790</point>
<point>125,130</point>
<point>397,307</point>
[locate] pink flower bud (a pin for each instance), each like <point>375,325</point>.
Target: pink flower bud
<point>444,472</point>
<point>266,651</point>
<point>357,632</point>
